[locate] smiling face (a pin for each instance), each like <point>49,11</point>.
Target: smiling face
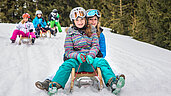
<point>79,22</point>
<point>39,15</point>
<point>93,21</point>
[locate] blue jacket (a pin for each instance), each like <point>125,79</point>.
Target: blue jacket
<point>37,21</point>
<point>102,44</point>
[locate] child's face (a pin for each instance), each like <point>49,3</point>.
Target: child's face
<point>79,22</point>
<point>54,14</point>
<point>93,21</point>
<point>25,19</point>
<point>39,15</point>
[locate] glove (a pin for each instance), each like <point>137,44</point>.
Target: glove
<point>81,56</point>
<point>31,30</point>
<point>48,23</point>
<point>39,25</point>
<point>89,59</point>
<point>56,20</point>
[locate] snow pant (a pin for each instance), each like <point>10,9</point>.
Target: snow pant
<point>63,73</point>
<point>53,23</point>
<point>18,32</point>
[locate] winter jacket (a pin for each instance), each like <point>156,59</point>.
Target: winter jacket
<point>76,42</point>
<point>37,21</point>
<point>102,43</point>
<point>53,17</point>
<point>54,20</point>
<point>25,27</point>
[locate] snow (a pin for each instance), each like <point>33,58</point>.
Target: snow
<point>146,67</point>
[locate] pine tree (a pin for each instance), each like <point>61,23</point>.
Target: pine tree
<point>119,19</point>
<point>144,20</point>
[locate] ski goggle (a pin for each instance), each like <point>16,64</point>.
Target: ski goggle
<point>78,14</point>
<point>93,12</point>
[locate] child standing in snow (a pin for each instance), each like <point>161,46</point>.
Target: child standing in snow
<point>82,40</point>
<point>53,20</point>
<point>24,28</point>
<point>40,23</point>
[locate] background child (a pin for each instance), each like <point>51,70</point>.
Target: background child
<point>40,23</point>
<point>53,20</point>
<point>24,28</point>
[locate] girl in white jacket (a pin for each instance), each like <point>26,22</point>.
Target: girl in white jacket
<point>24,28</point>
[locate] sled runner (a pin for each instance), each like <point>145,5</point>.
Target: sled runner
<point>75,76</point>
<point>45,34</point>
<point>25,40</point>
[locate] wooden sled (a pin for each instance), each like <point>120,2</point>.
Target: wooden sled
<point>44,34</point>
<point>25,40</point>
<point>85,74</point>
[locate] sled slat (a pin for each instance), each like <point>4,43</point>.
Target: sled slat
<point>72,79</point>
<point>85,74</point>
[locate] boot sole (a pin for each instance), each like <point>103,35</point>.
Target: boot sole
<point>39,85</point>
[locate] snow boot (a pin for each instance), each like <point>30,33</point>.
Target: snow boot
<point>117,84</point>
<point>56,30</point>
<point>53,33</point>
<point>43,85</point>
<point>33,40</point>
<point>12,41</point>
<point>53,88</point>
<point>37,34</point>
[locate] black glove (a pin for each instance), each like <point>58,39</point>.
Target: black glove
<point>56,18</point>
<point>31,30</point>
<point>99,54</point>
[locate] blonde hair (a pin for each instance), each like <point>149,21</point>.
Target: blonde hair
<point>88,29</point>
<point>22,21</point>
<point>98,29</point>
<point>66,29</point>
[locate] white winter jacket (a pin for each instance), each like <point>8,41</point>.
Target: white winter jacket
<point>25,27</point>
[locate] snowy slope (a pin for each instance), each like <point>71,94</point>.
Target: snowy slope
<point>147,67</point>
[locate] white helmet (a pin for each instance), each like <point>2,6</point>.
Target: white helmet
<point>77,12</point>
<point>38,12</point>
<point>55,11</point>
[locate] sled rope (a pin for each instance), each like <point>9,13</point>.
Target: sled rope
<point>95,72</point>
<point>82,58</point>
<point>43,30</point>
